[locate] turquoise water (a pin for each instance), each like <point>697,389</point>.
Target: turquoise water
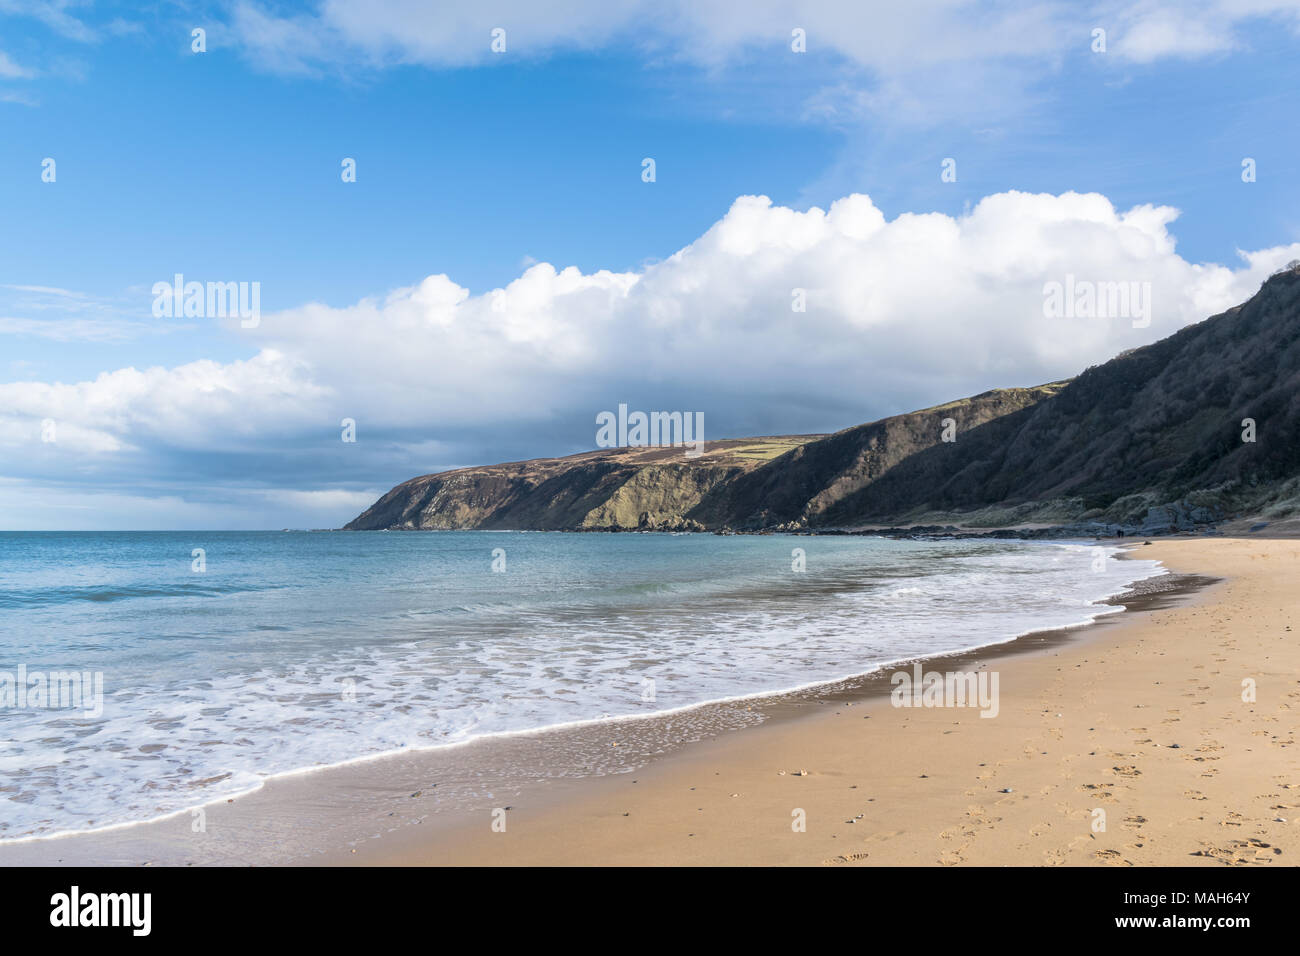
<point>299,649</point>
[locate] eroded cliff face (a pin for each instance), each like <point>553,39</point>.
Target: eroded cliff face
<point>743,484</point>
<point>801,487</point>
<point>623,489</point>
<point>1160,427</point>
<point>1163,426</point>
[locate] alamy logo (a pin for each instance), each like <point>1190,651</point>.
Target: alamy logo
<point>53,690</point>
<point>74,908</point>
<point>211,300</point>
<point>1085,299</point>
<point>952,689</point>
<point>639,430</point>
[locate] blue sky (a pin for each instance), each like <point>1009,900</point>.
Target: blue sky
<point>224,166</point>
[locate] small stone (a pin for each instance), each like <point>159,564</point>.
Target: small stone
<point>1006,790</point>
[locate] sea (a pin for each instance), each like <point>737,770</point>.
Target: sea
<point>207,663</point>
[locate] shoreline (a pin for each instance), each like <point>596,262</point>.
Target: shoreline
<point>1134,744</point>
<point>164,839</point>
<point>461,842</point>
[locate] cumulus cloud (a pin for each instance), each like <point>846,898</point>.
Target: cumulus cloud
<point>201,406</point>
<point>899,314</point>
<point>913,310</point>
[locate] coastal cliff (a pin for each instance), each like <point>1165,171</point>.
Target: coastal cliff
<point>620,489</point>
<point>1182,433</point>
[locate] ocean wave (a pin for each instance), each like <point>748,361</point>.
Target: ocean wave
<point>374,653</point>
<point>107,594</point>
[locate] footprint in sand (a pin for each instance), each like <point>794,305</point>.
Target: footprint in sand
<point>845,858</point>
<point>1112,858</point>
<point>1241,852</point>
<point>1099,790</point>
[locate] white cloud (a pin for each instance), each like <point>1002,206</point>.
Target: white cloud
<point>1149,31</point>
<point>933,64</point>
<point>203,406</point>
<point>10,70</point>
<point>901,313</point>
<point>900,40</point>
<point>54,14</point>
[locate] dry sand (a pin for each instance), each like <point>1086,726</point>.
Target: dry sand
<point>1143,719</point>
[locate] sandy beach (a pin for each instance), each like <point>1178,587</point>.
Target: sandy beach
<point>1122,743</point>
<point>1142,719</point>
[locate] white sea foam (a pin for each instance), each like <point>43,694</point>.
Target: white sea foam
<point>197,716</point>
